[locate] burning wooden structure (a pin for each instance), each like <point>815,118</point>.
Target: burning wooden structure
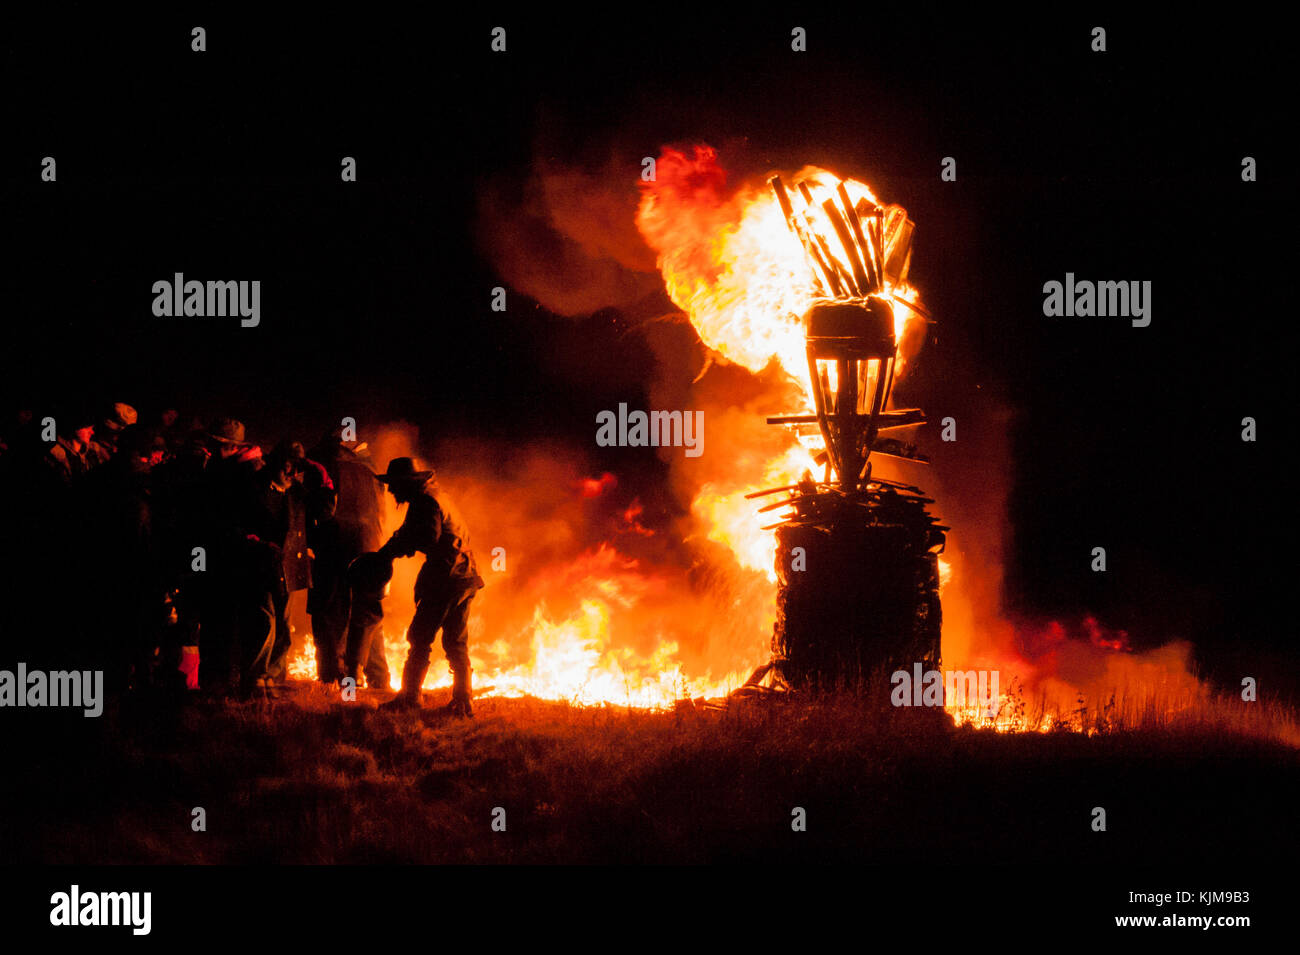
<point>856,556</point>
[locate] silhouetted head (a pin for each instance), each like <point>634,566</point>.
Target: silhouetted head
<point>403,480</point>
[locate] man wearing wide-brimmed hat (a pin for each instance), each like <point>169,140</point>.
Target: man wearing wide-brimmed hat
<point>444,588</point>
<point>70,458</point>
<point>281,520</point>
<point>119,417</point>
<point>236,609</point>
<point>227,434</point>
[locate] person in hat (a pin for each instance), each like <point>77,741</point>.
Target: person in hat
<point>119,417</point>
<point>227,436</point>
<point>443,589</point>
<point>70,457</point>
<point>280,522</point>
<point>235,604</point>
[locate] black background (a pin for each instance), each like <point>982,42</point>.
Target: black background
<point>1123,165</point>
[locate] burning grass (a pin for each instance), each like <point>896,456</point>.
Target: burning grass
<point>307,780</point>
<point>1145,709</point>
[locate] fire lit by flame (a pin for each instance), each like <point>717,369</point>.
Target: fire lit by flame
<point>730,262</point>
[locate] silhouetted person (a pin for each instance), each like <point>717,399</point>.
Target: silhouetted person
<point>347,525</point>
<point>181,487</point>
<point>127,583</point>
<point>328,601</point>
<point>444,588</point>
<point>345,607</point>
<point>282,525</point>
<point>368,578</point>
<point>70,457</point>
<point>236,608</point>
<point>118,418</point>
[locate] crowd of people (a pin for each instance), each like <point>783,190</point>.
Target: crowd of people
<point>166,554</point>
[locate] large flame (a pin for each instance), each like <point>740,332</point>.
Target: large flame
<point>730,262</point>
<point>596,625</point>
<point>586,634</point>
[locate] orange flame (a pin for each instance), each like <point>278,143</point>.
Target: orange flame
<point>602,628</point>
<point>731,263</point>
<point>605,628</point>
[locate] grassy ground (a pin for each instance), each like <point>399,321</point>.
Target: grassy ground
<point>310,780</point>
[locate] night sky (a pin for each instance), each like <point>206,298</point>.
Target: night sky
<point>1116,166</point>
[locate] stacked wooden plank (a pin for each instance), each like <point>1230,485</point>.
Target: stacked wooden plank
<point>854,249</point>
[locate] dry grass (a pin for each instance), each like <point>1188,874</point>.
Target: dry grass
<point>1201,712</point>
<point>311,780</point>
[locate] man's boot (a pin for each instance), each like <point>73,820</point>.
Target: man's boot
<point>460,692</point>
<point>408,697</point>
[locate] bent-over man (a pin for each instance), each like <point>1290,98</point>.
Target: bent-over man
<point>444,588</point>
